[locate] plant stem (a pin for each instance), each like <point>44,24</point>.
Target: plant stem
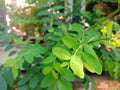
<point>77,50</point>
<point>95,25</point>
<point>80,46</point>
<point>98,40</point>
<point>109,16</point>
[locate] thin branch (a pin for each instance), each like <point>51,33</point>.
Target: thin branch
<point>109,16</point>
<point>99,40</point>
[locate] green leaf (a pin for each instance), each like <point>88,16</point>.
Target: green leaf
<point>38,49</point>
<point>33,81</point>
<point>64,64</point>
<point>109,25</point>
<point>19,63</point>
<point>64,85</point>
<point>58,68</point>
<point>12,53</point>
<point>9,47</point>
<point>4,43</point>
<point>68,75</point>
<point>63,27</point>
<point>49,59</point>
<point>58,23</point>
<point>90,50</point>
<point>89,67</point>
<point>45,28</point>
<point>58,7</point>
<point>55,74</point>
<point>45,19</point>
<point>87,85</point>
<point>61,53</point>
<point>43,12</point>
<point>41,5</point>
<point>29,58</point>
<point>77,27</point>
<point>8,76</point>
<point>27,41</point>
<point>51,30</point>
<point>47,81</point>
<point>34,49</point>
<point>38,88</point>
<point>50,36</point>
<point>109,28</point>
<point>18,40</point>
<point>9,62</point>
<point>53,87</point>
<point>70,42</point>
<point>93,62</point>
<point>47,70</point>
<point>77,66</point>
<point>15,72</point>
<point>34,69</point>
<point>3,84</point>
<point>24,87</point>
<point>25,79</point>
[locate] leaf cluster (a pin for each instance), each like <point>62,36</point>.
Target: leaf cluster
<point>67,52</point>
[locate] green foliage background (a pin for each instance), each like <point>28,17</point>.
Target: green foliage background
<point>68,51</point>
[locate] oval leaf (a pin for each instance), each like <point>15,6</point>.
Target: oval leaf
<point>55,74</point>
<point>90,50</point>
<point>68,75</point>
<point>70,42</point>
<point>12,53</point>
<point>3,84</point>
<point>64,64</point>
<point>77,66</point>
<point>8,76</point>
<point>45,19</point>
<point>24,87</point>
<point>58,7</point>
<point>47,70</point>
<point>64,85</point>
<point>29,58</point>
<point>93,62</point>
<point>19,63</point>
<point>49,59</point>
<point>45,12</point>
<point>9,47</point>
<point>58,68</point>
<point>15,72</point>
<point>25,79</point>
<point>33,82</point>
<point>88,66</point>
<point>61,53</point>
<point>77,27</point>
<point>9,62</point>
<point>47,81</point>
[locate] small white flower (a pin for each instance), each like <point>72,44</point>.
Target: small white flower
<point>58,11</point>
<point>51,3</point>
